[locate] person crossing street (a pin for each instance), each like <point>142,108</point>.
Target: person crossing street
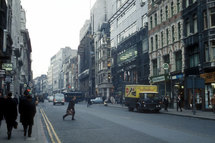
<point>71,109</point>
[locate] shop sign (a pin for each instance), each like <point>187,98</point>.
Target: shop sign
<point>158,79</point>
<point>179,76</point>
<point>2,72</point>
<point>208,77</point>
<point>7,66</point>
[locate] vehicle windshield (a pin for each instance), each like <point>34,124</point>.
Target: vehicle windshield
<point>58,96</point>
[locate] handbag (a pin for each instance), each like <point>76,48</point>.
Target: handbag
<point>70,111</point>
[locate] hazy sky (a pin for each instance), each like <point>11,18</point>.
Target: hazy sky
<point>53,24</point>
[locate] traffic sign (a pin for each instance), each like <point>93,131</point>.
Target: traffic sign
<point>165,66</point>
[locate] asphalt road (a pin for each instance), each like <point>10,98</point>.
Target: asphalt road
<point>100,124</point>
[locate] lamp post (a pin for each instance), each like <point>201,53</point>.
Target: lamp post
<point>165,67</point>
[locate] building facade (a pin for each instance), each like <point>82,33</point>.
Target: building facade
<point>166,48</point>
<point>128,28</point>
<point>199,41</point>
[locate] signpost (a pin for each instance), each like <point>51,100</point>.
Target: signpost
<point>7,66</point>
<point>165,67</point>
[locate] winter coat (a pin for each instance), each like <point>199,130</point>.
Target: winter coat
<point>21,102</point>
<point>10,110</point>
<point>28,112</point>
<point>2,101</point>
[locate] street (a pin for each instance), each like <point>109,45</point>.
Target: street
<point>100,124</point>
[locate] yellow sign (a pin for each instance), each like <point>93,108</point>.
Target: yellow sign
<point>208,77</point>
<point>134,90</point>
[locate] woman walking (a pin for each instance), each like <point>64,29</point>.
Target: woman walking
<point>71,109</point>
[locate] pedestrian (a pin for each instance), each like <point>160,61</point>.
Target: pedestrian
<point>166,103</point>
<point>213,103</point>
<point>71,109</point>
<point>28,113</point>
<point>1,107</point>
<point>10,114</point>
<point>22,100</point>
<point>179,102</point>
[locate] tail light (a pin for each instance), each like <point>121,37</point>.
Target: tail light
<point>54,100</point>
<point>63,100</point>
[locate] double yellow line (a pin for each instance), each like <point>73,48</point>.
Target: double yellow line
<point>50,128</point>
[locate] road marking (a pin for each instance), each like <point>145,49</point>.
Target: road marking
<point>48,126</point>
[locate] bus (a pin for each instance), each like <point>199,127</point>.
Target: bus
<point>69,95</point>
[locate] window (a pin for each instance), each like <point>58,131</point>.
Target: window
<point>172,8</point>
<point>167,36</point>
<point>156,42</point>
<point>173,34</point>
<point>161,15</point>
<point>187,3</point>
<point>213,49</point>
<point>178,61</point>
<point>155,69</point>
<point>187,23</point>
<point>178,6</point>
<point>205,20</point>
<point>144,20</point>
<point>145,46</point>
<point>193,56</point>
<point>152,44</point>
<point>166,12</point>
<point>207,57</point>
<point>151,22</point>
<point>212,17</point>
<point>179,31</point>
<point>162,39</point>
<point>195,25</point>
<point>166,59</point>
<point>156,19</point>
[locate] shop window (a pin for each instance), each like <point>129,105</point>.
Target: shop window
<point>178,61</point>
<point>212,17</point>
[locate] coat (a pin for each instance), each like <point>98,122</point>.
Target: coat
<point>71,107</point>
<point>2,101</point>
<point>21,102</point>
<point>10,110</point>
<point>28,112</point>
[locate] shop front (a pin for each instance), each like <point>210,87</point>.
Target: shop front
<point>209,88</point>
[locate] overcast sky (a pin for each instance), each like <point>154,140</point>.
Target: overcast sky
<point>53,24</point>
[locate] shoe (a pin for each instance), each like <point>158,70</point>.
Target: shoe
<point>9,135</point>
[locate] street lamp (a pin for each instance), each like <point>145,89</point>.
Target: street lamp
<point>165,67</point>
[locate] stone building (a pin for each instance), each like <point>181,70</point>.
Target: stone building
<point>166,48</point>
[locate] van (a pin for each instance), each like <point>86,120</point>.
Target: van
<point>58,99</point>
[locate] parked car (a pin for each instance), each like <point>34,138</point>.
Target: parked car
<point>58,99</point>
<point>50,98</point>
<point>97,100</point>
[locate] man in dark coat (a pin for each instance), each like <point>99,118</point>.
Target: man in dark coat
<point>28,113</point>
<point>22,100</point>
<point>10,114</point>
<point>71,109</point>
<point>1,107</point>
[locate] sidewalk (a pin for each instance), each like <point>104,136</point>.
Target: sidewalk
<point>38,135</point>
<point>187,113</point>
